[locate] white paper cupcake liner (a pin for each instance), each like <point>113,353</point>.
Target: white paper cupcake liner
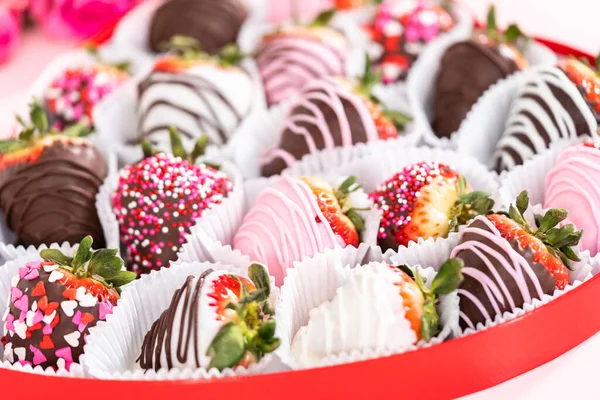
<point>8,271</point>
<point>114,345</point>
<point>315,281</point>
<point>421,83</point>
<point>212,237</point>
<point>231,205</point>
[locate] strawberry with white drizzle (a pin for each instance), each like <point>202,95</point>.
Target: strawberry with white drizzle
<point>55,302</point>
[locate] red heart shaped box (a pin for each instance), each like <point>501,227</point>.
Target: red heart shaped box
<point>448,370</point>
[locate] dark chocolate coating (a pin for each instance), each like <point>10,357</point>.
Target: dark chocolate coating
<point>296,144</point>
<point>466,71</point>
<point>214,23</point>
<point>53,200</point>
<point>65,326</point>
<point>523,133</point>
<point>473,286</point>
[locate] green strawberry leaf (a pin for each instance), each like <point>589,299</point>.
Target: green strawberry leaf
<point>407,270</point>
<point>552,218</point>
<point>356,220</point>
<point>259,275</point>
<point>323,18</point>
<point>462,186</point>
<point>597,65</point>
<point>227,348</point>
<point>492,29</point>
<point>267,329</point>
<point>513,33</point>
<point>56,256</point>
<point>38,116</point>
<point>344,188</point>
<point>522,202</point>
<point>176,144</point>
<point>122,278</point>
<point>83,253</point>
<point>199,148</point>
<point>430,320</point>
<point>449,277</point>
<point>105,263</point>
<point>516,216</point>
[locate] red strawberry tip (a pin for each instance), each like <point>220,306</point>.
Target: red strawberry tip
<point>251,332</point>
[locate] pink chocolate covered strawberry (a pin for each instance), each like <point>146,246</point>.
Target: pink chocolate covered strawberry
<point>54,303</point>
<point>424,200</point>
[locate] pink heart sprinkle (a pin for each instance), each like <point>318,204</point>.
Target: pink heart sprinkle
<point>81,327</point>
<point>24,363</point>
<point>47,330</point>
<point>23,271</point>
<point>34,264</point>
<point>15,294</point>
<point>10,319</point>
<point>66,354</point>
<point>77,318</point>
<point>38,317</point>
<point>38,356</point>
<point>33,274</point>
<point>104,310</point>
<point>22,304</point>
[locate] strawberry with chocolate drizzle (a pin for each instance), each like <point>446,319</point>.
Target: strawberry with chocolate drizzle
<point>509,263</point>
<point>586,78</point>
<point>469,68</point>
<point>333,112</point>
<point>159,199</point>
<point>215,320</point>
<point>197,93</point>
<point>55,302</point>
<point>48,183</point>
<point>425,200</point>
<point>71,97</point>
<point>297,218</point>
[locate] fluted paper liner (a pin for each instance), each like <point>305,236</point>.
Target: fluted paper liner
<point>231,205</point>
<point>114,345</point>
<point>422,78</point>
<point>212,236</point>
<point>316,280</point>
<point>8,271</point>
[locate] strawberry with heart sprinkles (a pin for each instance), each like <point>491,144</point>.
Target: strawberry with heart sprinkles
<point>55,302</point>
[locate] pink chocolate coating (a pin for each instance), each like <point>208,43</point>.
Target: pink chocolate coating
<point>573,185</point>
<point>282,227</point>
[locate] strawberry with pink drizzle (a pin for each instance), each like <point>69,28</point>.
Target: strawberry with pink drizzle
<point>55,302</point>
<point>159,199</point>
<point>509,263</point>
<point>71,97</point>
<point>572,184</point>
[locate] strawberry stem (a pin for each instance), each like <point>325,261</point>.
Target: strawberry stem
<point>177,147</point>
<point>468,205</point>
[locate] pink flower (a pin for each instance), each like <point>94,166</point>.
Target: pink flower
<point>10,33</point>
<point>78,18</point>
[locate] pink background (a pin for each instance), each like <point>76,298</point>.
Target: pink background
<point>574,22</point>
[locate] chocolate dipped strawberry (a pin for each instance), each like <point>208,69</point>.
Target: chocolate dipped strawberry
<point>330,113</point>
<point>292,56</point>
<point>196,93</point>
<point>71,97</point>
<point>394,302</point>
<point>158,200</point>
<point>49,181</point>
<point>400,30</point>
<point>509,263</point>
<point>55,302</point>
<point>425,200</point>
<point>297,218</point>
<point>555,103</point>
<point>467,69</point>
<point>216,320</point>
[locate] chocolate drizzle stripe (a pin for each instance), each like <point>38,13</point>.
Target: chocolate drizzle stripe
<point>158,340</point>
<point>208,120</point>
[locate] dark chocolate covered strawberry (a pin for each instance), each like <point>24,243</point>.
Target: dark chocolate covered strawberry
<point>555,103</point>
<point>467,69</point>
<point>48,183</point>
<point>329,113</point>
<point>216,320</point>
<point>425,200</point>
<point>509,263</point>
<point>55,302</point>
<point>158,200</point>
